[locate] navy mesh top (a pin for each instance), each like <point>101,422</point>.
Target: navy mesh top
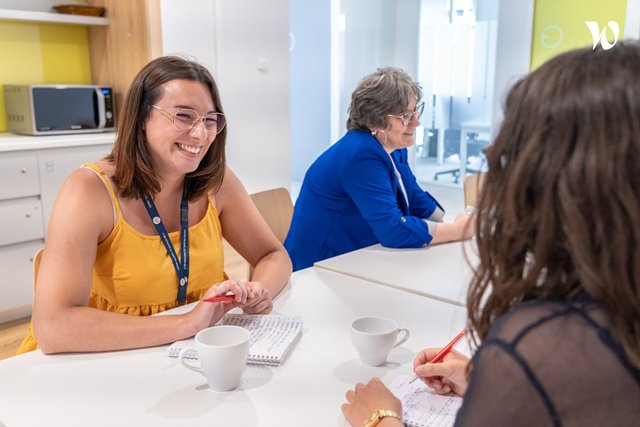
<point>552,364</point>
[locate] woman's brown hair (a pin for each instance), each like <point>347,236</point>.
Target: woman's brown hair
<point>134,173</point>
<point>558,214</point>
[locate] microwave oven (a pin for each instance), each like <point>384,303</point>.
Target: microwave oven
<point>58,109</point>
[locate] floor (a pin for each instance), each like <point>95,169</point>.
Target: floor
<point>451,197</point>
<point>11,335</point>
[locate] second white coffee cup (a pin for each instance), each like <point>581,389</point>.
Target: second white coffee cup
<point>374,337</point>
<point>222,354</point>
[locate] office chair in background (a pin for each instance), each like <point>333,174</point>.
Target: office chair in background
<point>452,146</point>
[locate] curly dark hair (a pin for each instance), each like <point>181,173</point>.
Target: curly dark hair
<point>558,214</point>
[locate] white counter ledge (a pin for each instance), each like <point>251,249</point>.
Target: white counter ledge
<point>13,142</point>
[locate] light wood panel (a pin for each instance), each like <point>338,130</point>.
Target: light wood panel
<point>118,51</point>
<point>472,188</point>
<point>276,208</point>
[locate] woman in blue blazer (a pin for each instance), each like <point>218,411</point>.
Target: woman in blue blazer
<point>361,191</point>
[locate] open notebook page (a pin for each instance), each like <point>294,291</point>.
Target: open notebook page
<point>423,407</point>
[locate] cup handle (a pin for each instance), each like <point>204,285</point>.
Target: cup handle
<point>181,357</point>
<point>404,338</point>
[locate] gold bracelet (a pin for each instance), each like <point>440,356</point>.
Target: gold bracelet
<point>377,416</point>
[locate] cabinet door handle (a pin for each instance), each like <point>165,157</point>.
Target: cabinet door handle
<point>28,215</point>
<point>23,170</point>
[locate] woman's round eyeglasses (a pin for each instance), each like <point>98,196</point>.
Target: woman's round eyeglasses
<point>408,116</point>
<point>186,119</point>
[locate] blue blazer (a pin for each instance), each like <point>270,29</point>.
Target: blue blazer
<point>351,198</point>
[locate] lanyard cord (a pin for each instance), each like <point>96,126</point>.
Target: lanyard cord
<point>182,268</point>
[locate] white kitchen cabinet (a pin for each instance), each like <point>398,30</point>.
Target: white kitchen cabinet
<point>54,166</point>
<point>16,284</point>
<point>21,220</point>
<point>32,170</point>
<point>18,176</point>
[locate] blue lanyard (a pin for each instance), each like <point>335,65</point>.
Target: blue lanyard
<point>182,268</point>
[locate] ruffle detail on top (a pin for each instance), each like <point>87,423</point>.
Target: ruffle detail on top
<point>141,310</point>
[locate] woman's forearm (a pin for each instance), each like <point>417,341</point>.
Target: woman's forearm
<point>273,271</point>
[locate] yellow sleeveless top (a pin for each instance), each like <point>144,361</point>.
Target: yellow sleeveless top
<point>133,273</point>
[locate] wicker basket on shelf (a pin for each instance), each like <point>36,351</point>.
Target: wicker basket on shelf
<point>80,9</point>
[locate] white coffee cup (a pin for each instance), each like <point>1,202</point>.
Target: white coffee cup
<point>374,337</point>
<point>222,353</point>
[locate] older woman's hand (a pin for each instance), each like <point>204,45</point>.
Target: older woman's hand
<point>466,222</point>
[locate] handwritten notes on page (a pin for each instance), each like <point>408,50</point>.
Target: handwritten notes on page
<point>423,407</point>
<point>272,335</point>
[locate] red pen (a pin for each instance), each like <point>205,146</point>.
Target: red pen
<point>444,351</point>
<point>220,298</point>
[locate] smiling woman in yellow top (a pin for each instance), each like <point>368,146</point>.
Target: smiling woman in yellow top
<point>139,232</point>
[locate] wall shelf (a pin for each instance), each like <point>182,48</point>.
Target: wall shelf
<point>51,18</point>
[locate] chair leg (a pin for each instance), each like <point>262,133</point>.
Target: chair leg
<point>454,172</point>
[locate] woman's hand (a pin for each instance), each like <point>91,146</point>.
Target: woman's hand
<point>259,301</point>
<point>446,376</point>
<point>463,227</point>
<point>466,223</point>
<point>206,314</point>
<point>364,399</point>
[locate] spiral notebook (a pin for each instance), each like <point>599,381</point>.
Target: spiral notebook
<point>423,407</point>
<point>272,337</point>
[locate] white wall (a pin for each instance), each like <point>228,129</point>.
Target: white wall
<point>187,33</point>
<point>245,45</point>
<point>377,33</point>
<point>632,24</point>
<point>407,33</point>
<point>515,27</point>
<point>32,5</point>
<point>327,63</point>
<point>310,24</point>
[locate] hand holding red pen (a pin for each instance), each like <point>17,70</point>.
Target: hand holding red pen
<point>443,375</point>
<point>206,314</point>
<point>228,291</point>
<point>258,300</point>
<point>220,298</point>
<point>446,376</point>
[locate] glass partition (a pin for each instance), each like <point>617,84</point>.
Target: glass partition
<point>456,67</point>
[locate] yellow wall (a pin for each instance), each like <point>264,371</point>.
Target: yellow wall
<point>567,16</point>
<point>42,53</point>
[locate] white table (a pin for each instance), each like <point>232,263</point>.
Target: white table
<point>440,272</point>
<point>143,387</point>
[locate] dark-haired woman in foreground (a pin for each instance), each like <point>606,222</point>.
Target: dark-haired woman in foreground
<point>556,297</point>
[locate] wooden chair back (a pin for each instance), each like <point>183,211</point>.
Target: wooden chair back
<point>36,265</point>
<point>276,208</point>
<point>472,188</point>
